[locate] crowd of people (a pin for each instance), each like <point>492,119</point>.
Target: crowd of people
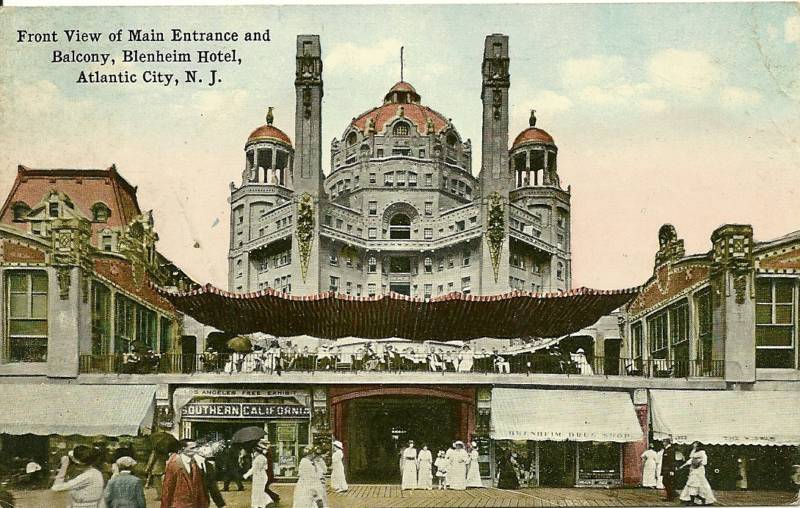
<point>672,470</point>
<point>456,468</point>
<point>372,356</point>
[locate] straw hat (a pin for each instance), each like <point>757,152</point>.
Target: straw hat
<point>83,455</point>
<point>338,444</point>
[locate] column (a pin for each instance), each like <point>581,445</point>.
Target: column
<point>631,452</point>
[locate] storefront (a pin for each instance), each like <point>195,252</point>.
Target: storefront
<point>563,437</point>
<point>217,413</point>
<point>751,438</point>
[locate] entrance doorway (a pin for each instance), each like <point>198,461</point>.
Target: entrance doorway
<point>556,463</point>
<point>378,428</point>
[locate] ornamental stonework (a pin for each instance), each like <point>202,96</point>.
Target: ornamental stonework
<point>670,281</point>
<point>787,260</point>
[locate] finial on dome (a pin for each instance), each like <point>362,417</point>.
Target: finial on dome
<point>532,120</point>
<point>270,117</point>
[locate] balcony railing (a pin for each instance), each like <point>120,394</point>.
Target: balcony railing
<point>274,363</point>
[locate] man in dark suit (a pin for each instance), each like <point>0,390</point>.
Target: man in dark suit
<point>231,468</point>
<point>205,459</point>
<point>271,474</point>
<point>668,469</point>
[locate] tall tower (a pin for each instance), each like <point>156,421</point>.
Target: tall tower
<point>495,176</point>
<point>307,178</point>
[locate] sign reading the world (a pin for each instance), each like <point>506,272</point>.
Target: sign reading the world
<point>243,410</point>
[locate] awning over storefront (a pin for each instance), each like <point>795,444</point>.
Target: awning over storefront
<point>88,410</point>
<point>726,417</point>
<point>521,414</point>
<point>454,316</point>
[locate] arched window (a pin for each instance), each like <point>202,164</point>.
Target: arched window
<point>400,227</point>
<point>20,209</point>
<point>100,212</point>
<point>452,139</point>
<point>400,129</point>
<point>351,139</point>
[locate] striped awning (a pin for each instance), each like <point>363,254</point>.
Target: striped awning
<point>448,317</point>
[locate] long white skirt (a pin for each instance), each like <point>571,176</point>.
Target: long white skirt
<point>425,476</point>
<point>697,485</point>
<point>474,475</point>
<point>338,481</point>
<point>409,474</point>
<point>457,475</point>
<point>649,478</point>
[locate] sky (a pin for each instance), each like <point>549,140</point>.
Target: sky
<point>686,114</point>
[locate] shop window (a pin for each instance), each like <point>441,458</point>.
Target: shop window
<point>27,316</point>
<point>101,319</point>
<point>599,463</point>
<point>288,438</point>
<point>775,323</point>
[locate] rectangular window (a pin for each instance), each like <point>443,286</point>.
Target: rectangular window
<point>372,176</point>
<point>441,265</point>
<point>429,208</point>
<point>333,259</point>
<point>371,289</point>
<point>165,336</point>
<point>636,340</point>
<point>466,285</point>
<point>428,179</point>
<point>465,258</point>
<point>372,265</point>
<point>27,316</point>
<point>450,286</point>
<point>401,178</point>
<point>372,207</point>
<point>705,330</point>
<point>379,153</point>
<point>334,286</point>
<point>657,334</point>
<point>388,179</point>
<point>412,179</point>
<point>428,265</point>
<point>355,182</point>
<point>373,233</point>
<point>775,323</point>
<point>348,287</point>
<point>450,262</point>
<point>328,220</point>
<point>400,264</point>
<point>358,289</point>
<point>427,289</point>
<point>339,223</point>
<point>107,243</point>
<point>460,226</point>
<point>679,337</point>
<point>429,233</point>
<point>440,289</point>
<point>101,319</point>
<point>421,153</point>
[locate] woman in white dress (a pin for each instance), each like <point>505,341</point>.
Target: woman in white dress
<point>338,481</point>
<point>322,468</point>
<point>457,472</point>
<point>649,461</point>
<point>425,468</point>
<point>307,489</point>
<point>697,489</point>
<point>466,359</point>
<point>659,460</point>
<point>408,467</point>
<point>474,473</point>
<point>258,470</point>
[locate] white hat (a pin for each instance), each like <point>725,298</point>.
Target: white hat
<point>125,462</point>
<point>338,444</point>
<point>32,467</point>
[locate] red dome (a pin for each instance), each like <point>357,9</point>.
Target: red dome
<point>402,86</point>
<point>269,133</point>
<point>402,94</point>
<point>533,135</point>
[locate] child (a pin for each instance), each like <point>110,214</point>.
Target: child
<point>441,470</point>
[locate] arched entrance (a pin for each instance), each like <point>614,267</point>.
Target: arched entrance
<point>374,424</point>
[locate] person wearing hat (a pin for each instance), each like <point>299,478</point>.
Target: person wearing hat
<point>307,489</point>
<point>668,464</point>
<point>338,480</point>
<point>85,489</point>
<point>205,460</point>
<point>474,473</point>
<point>184,483</point>
<point>124,490</point>
<point>321,468</point>
<point>259,497</point>
<point>457,472</point>
<point>408,467</point>
<point>231,469</point>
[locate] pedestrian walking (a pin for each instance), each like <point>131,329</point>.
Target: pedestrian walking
<point>124,490</point>
<point>307,487</point>
<point>86,487</point>
<point>697,489</point>
<point>659,460</point>
<point>408,467</point>
<point>338,480</point>
<point>231,467</point>
<point>508,478</point>
<point>259,498</point>
<point>473,471</point>
<point>205,460</point>
<point>668,464</point>
<point>448,456</point>
<point>425,468</point>
<point>441,470</point>
<point>184,484</point>
<point>321,468</point>
<point>457,472</point>
<point>649,461</point>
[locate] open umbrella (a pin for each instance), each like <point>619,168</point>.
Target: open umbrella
<point>248,434</point>
<point>240,344</point>
<point>164,442</point>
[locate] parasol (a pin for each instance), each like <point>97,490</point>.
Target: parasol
<point>240,344</point>
<point>248,434</point>
<point>164,442</point>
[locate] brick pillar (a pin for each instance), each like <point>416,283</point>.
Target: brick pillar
<point>632,452</point>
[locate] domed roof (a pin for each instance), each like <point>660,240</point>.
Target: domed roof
<point>402,95</point>
<point>533,134</point>
<point>269,132</point>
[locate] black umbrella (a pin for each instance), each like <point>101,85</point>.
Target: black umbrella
<point>248,434</point>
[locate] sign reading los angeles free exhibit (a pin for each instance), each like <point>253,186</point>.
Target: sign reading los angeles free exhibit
<point>243,410</point>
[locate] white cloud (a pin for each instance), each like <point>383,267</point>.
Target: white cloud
<point>549,102</point>
<point>350,57</point>
<point>791,29</point>
<point>617,95</point>
<point>735,97</point>
<point>595,69</point>
<point>651,105</point>
<point>684,70</point>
